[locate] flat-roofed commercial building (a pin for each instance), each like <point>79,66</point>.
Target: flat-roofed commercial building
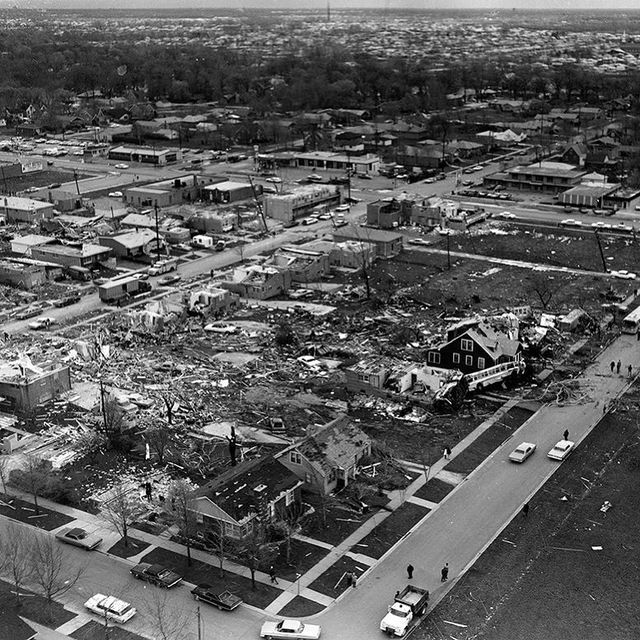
<point>147,155</point>
<point>544,177</point>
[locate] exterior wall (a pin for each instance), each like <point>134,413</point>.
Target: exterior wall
<point>22,276</point>
<point>314,478</point>
<point>34,391</point>
<point>346,255</point>
<point>304,269</point>
<point>27,215</point>
<point>383,248</point>
<point>141,197</point>
<point>231,195</point>
<point>365,380</point>
<point>287,207</point>
<point>148,156</point>
<point>453,356</point>
<point>273,285</point>
<point>67,259</point>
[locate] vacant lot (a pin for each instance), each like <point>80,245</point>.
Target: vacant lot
<point>567,570</point>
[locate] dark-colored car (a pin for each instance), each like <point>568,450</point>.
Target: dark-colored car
<point>225,600</point>
<point>156,574</point>
<point>66,301</point>
<point>168,280</point>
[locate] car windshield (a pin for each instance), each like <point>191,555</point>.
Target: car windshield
<point>399,613</point>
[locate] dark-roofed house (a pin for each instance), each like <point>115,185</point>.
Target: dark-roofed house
<point>259,490</point>
<point>326,458</point>
<point>473,345</point>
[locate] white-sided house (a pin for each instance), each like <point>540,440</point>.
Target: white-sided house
<point>258,490</point>
<point>327,457</point>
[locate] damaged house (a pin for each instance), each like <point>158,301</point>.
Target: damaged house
<point>304,265</point>
<point>259,490</point>
<point>258,282</point>
<point>327,457</point>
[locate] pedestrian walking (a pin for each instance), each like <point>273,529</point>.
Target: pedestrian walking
<point>638,335</point>
<point>565,435</point>
<point>147,490</point>
<point>410,571</point>
<point>447,453</point>
<point>630,370</point>
<point>272,575</point>
<point>444,573</point>
<point>525,509</point>
<point>618,366</point>
<point>613,366</point>
<point>354,580</point>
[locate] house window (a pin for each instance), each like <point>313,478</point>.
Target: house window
<point>288,498</point>
<point>307,478</point>
<point>230,529</point>
<point>468,360</point>
<point>295,457</point>
<point>433,357</point>
<point>480,363</point>
<point>199,518</point>
<point>467,345</point>
<point>456,358</point>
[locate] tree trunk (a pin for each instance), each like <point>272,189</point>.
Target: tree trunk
<point>253,577</point>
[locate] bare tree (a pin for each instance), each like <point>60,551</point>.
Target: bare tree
<point>289,525</point>
<point>254,551</point>
<point>4,472</point>
<point>544,286</point>
<point>119,511</point>
<point>217,540</point>
<point>180,495</point>
<point>50,569</point>
<point>15,556</point>
<point>35,476</point>
<point>166,619</point>
<point>112,422</point>
<point>160,438</point>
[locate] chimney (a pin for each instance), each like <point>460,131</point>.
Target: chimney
<point>260,501</point>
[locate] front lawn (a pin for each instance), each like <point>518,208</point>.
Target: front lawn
<point>333,581</point>
<point>93,630</point>
<point>134,548</point>
<point>303,556</point>
<point>32,606</point>
<point>18,509</point>
<point>389,531</point>
<point>200,572</point>
<point>301,607</point>
<point>434,490</point>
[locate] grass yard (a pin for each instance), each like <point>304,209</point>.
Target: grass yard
<point>435,490</point>
<point>18,509</point>
<point>390,530</point>
<point>134,548</point>
<point>303,557</point>
<point>547,581</point>
<point>32,607</point>
<point>93,630</point>
<point>200,572</point>
<point>300,607</point>
<point>333,582</point>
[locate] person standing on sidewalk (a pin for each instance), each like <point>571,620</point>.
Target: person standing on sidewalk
<point>565,435</point>
<point>272,575</point>
<point>444,574</point>
<point>447,453</point>
<point>410,571</point>
<point>525,509</point>
<point>630,370</point>
<point>613,366</point>
<point>618,366</point>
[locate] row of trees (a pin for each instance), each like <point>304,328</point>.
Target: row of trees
<point>40,67</point>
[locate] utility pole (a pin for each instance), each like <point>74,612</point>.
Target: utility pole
<point>604,262</point>
<point>75,177</point>
<point>4,179</point>
<point>448,251</point>
<point>199,624</point>
<point>157,232</point>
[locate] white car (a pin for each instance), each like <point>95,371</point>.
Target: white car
<point>307,221</point>
<point>42,323</point>
<point>570,222</point>
<point>522,452</point>
<point>623,274</point>
<point>506,215</point>
<point>561,450</point>
<point>325,216</point>
<point>110,607</point>
<point>121,165</point>
<point>274,179</point>
<point>290,629</point>
<point>115,194</point>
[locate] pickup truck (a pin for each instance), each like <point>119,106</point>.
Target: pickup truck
<point>156,574</point>
<point>407,607</point>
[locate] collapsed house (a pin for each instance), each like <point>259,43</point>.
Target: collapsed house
<point>258,282</point>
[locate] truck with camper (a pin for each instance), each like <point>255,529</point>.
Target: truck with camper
<point>163,266</point>
<point>119,290</point>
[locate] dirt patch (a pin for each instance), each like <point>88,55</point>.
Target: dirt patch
<point>22,511</point>
<point>542,577</point>
<point>134,547</point>
<point>435,490</point>
<point>333,581</point>
<point>300,607</point>
<point>93,630</point>
<point>389,531</point>
<point>200,572</point>
<point>32,606</point>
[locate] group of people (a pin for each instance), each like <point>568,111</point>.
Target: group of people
<point>616,366</point>
<point>444,572</point>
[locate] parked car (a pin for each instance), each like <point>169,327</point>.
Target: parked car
<point>115,194</point>
<point>225,600</point>
<point>110,607</point>
<point>274,179</point>
<point>506,215</point>
<point>54,185</point>
<point>79,538</point>
<point>289,629</point>
<point>307,221</point>
<point>522,452</point>
<point>67,300</point>
<point>170,279</point>
<point>561,450</point>
<point>156,574</point>
<point>570,222</point>
<point>42,323</point>
<point>623,274</point>
<point>121,165</point>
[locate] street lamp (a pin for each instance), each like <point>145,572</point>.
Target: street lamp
<point>298,576</point>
